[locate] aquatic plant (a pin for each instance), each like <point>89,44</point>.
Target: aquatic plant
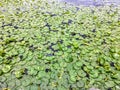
<point>45,46</point>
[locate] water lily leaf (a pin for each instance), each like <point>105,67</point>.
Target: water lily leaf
<point>6,68</point>
<point>110,84</point>
<point>3,85</point>
<point>79,64</point>
<point>41,74</point>
<point>63,64</point>
<point>73,78</point>
<point>37,81</point>
<point>76,45</point>
<point>11,84</point>
<point>26,82</point>
<point>29,57</point>
<point>90,67</point>
<point>61,88</point>
<point>94,74</point>
<point>18,83</point>
<point>102,61</point>
<point>81,73</point>
<point>116,76</point>
<point>56,66</point>
<point>33,87</point>
<point>116,56</point>
<point>70,59</point>
<point>18,74</point>
<point>80,84</point>
<point>27,88</point>
<point>3,79</point>
<point>40,56</point>
<point>32,71</point>
<point>76,67</point>
<point>21,50</point>
<point>60,47</point>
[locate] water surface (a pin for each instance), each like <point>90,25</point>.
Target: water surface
<point>92,2</point>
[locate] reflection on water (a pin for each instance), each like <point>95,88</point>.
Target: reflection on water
<point>92,2</point>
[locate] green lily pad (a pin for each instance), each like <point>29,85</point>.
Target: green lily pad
<point>26,82</point>
<point>6,68</point>
<point>37,81</point>
<point>32,71</point>
<point>18,74</point>
<point>116,56</point>
<point>76,67</point>
<point>73,78</point>
<point>21,50</point>
<point>56,66</point>
<point>70,59</point>
<point>11,84</point>
<point>110,84</point>
<point>79,64</point>
<point>94,74</point>
<point>41,74</point>
<point>34,87</point>
<point>61,88</point>
<point>116,76</point>
<point>18,83</point>
<point>3,79</point>
<point>81,73</point>
<point>3,85</point>
<point>80,83</point>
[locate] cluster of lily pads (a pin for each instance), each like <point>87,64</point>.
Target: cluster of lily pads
<point>47,46</point>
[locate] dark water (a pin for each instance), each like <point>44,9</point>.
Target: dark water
<point>92,2</point>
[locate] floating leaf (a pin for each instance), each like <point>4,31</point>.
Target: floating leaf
<point>73,78</point>
<point>34,87</point>
<point>79,64</point>
<point>80,84</point>
<point>109,84</point>
<point>116,56</point>
<point>81,73</point>
<point>18,74</point>
<point>6,68</point>
<point>94,73</point>
<point>32,71</point>
<point>3,79</point>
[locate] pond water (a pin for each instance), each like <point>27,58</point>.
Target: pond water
<point>92,2</point>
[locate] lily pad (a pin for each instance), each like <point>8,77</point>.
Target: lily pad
<point>116,56</point>
<point>6,68</point>
<point>18,74</point>
<point>94,74</point>
<point>110,83</point>
<point>34,87</point>
<point>80,83</point>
